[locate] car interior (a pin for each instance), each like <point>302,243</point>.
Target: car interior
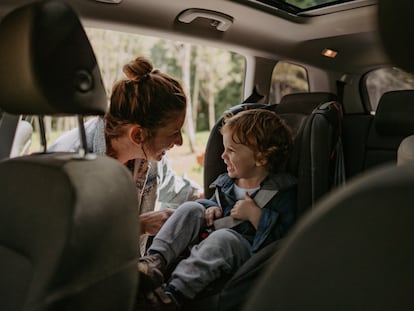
<point>64,248</point>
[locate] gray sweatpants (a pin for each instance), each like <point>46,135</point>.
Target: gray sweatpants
<point>222,252</point>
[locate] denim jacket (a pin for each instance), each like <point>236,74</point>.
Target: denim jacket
<point>278,215</point>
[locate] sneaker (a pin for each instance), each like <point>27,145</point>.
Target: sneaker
<point>151,270</point>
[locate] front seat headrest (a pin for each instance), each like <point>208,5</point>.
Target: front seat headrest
<point>47,65</point>
<point>395,107</point>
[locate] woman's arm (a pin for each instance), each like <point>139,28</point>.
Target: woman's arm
<point>173,190</point>
<point>151,222</point>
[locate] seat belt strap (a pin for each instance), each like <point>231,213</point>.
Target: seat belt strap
<point>262,197</point>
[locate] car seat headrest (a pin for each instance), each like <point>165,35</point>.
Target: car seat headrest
<point>303,102</point>
<point>395,108</point>
<point>47,65</point>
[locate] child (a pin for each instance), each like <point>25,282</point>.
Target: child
<point>254,192</point>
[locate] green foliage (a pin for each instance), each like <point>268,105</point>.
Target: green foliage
<point>287,78</point>
<point>231,96</point>
<point>163,57</point>
<point>386,79</point>
<point>219,76</point>
<point>304,4</point>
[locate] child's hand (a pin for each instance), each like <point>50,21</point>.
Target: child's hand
<point>212,212</point>
<point>247,210</point>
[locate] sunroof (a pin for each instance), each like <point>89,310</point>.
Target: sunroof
<point>299,6</point>
<point>313,4</point>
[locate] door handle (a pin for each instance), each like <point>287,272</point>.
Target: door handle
<point>221,21</point>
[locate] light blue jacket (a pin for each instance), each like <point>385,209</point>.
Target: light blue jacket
<point>163,184</point>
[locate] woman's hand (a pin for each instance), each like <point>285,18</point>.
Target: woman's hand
<point>151,222</point>
<point>212,212</point>
<point>247,210</point>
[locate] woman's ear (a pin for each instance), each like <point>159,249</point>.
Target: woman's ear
<point>136,134</point>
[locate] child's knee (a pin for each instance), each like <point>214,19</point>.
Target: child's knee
<point>226,236</point>
<point>191,209</point>
<point>225,243</point>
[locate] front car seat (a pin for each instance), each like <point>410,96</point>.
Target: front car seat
<point>68,221</point>
<point>353,252</point>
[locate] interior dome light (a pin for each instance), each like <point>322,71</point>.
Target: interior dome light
<point>329,53</point>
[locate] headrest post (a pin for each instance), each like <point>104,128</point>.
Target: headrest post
<point>83,150</point>
<point>42,134</point>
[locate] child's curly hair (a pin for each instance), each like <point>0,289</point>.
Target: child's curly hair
<point>264,132</point>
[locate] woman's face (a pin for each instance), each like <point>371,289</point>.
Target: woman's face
<point>166,137</point>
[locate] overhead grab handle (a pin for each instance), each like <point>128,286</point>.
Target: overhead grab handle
<point>219,20</point>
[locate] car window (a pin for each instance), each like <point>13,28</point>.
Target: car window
<point>213,79</point>
<point>382,80</point>
<point>287,78</point>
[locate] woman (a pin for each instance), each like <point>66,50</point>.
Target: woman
<point>144,121</point>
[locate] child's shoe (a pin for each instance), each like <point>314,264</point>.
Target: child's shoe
<point>157,300</point>
<point>151,270</point>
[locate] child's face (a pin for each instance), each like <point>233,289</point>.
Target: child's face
<point>240,159</point>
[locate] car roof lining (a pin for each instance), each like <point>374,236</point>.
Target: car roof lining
<point>352,32</point>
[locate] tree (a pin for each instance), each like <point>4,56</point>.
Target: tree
<point>186,83</point>
<point>208,75</point>
<point>214,67</point>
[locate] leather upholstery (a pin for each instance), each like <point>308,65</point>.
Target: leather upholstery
<point>68,234</point>
<point>317,159</point>
<point>353,252</point>
<point>385,130</point>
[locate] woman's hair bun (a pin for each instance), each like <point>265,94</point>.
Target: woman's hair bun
<point>137,68</point>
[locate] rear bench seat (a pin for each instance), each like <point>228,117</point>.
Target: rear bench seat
<point>372,140</point>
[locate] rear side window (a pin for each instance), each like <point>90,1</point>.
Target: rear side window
<point>287,78</point>
<point>382,80</point>
<point>213,79</point>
